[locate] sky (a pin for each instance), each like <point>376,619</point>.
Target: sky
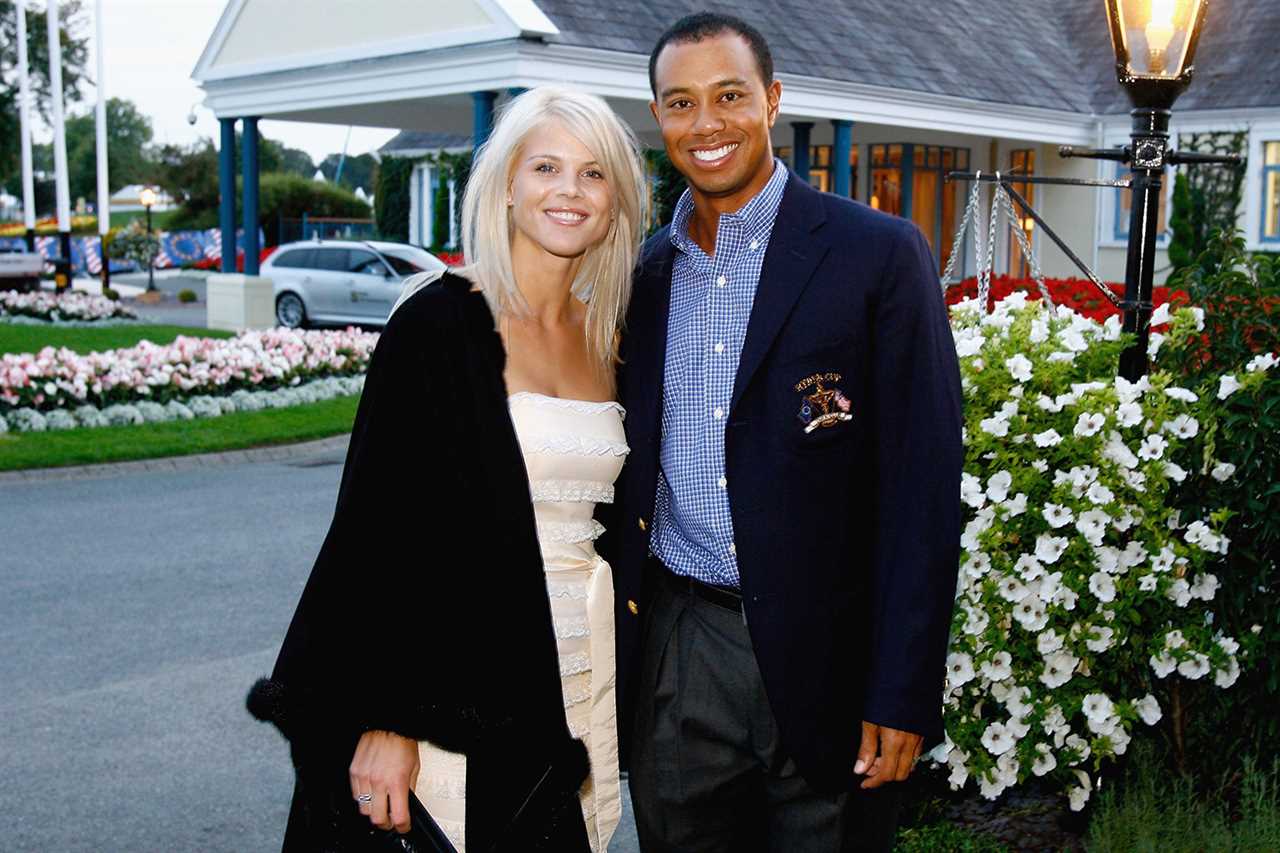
<point>151,47</point>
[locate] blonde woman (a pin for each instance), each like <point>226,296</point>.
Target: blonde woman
<point>456,636</point>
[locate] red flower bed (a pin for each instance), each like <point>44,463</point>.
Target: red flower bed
<point>1078,294</point>
<point>453,259</point>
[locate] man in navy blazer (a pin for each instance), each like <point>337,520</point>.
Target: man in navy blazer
<point>788,524</point>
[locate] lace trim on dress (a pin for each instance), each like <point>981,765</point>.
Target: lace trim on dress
<point>572,629</point>
<point>569,532</point>
<point>572,445</point>
<point>585,407</point>
<point>571,491</point>
<point>577,697</point>
<point>574,664</point>
<point>570,591</point>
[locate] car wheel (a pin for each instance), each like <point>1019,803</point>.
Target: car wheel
<point>290,312</point>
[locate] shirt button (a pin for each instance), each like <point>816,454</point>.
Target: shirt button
<point>755,244</point>
<point>719,347</point>
<point>733,549</point>
<point>719,413</point>
<point>722,482</point>
<point>722,281</point>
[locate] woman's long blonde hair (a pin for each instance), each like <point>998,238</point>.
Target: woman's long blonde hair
<point>604,278</point>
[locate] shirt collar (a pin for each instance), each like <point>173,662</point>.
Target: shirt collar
<point>756,216</point>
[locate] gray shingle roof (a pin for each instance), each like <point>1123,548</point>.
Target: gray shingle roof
<point>1040,53</point>
<point>418,140</point>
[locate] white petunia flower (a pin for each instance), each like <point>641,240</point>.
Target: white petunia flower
<point>971,491</point>
<point>1019,367</point>
<point>1089,423</point>
<point>1080,746</point>
<point>1179,592</point>
<point>1100,639</point>
<point>1147,583</point>
<point>1102,587</point>
<point>1265,361</point>
<point>1048,404</point>
<point>1223,471</point>
<point>1057,515</point>
<point>1118,452</point>
<point>1129,414</point>
<point>1058,669</point>
<point>1148,709</point>
<point>1174,639</point>
<point>1045,760</point>
<point>1092,525</point>
<point>1030,613</point>
<point>1119,739</point>
<point>1175,472</point>
<point>1181,394</point>
<point>1040,465</point>
<point>1183,426</point>
<point>1152,447</point>
<point>999,667</point>
<point>1097,707</point>
<point>997,739</point>
<point>976,622</point>
<point>1048,641</point>
<point>1163,561</point>
<point>959,669</point>
<point>1227,677</point>
<point>1205,587</point>
<point>1028,567</point>
<point>959,776</point>
<point>998,486</point>
<point>1048,438</point>
<point>1107,559</point>
<point>1011,589</point>
<point>1051,586</point>
<point>1050,548</point>
<point>1194,667</point>
<point>1100,494</point>
<point>1015,506</point>
<point>1227,385</point>
<point>991,785</point>
<point>997,426</point>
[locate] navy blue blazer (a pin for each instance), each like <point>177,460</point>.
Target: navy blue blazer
<point>847,535</point>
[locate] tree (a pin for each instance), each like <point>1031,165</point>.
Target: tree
<point>75,52</point>
<point>1206,198</point>
<point>189,173</point>
<point>391,201</point>
<point>128,159</point>
<point>295,161</point>
<point>356,171</point>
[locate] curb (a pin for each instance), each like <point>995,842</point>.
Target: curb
<point>279,453</point>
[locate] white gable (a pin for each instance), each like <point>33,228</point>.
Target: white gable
<point>260,36</point>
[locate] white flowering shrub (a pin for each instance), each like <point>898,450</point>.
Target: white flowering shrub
<point>1081,594</point>
<point>27,420</point>
<point>67,307</point>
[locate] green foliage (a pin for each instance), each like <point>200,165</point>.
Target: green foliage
<point>440,219</point>
<point>187,295</point>
<point>1205,197</point>
<point>189,173</point>
<point>75,54</point>
<point>666,186</point>
<point>20,451</point>
<point>86,339</point>
<point>391,202</point>
<point>945,838</point>
<point>128,158</point>
<point>357,170</point>
<point>110,293</point>
<point>290,196</point>
<point>1239,293</point>
<point>1147,811</point>
<point>135,243</point>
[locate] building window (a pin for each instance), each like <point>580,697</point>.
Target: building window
<point>1124,198</point>
<point>909,180</point>
<point>820,167</point>
<point>1022,161</point>
<point>1271,191</point>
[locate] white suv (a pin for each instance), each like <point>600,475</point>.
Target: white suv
<point>340,282</point>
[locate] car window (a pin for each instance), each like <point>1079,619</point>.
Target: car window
<point>409,260</point>
<point>401,266</point>
<point>293,259</point>
<point>330,259</point>
<point>365,263</point>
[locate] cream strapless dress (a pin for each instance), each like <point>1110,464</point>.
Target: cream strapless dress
<point>573,451</point>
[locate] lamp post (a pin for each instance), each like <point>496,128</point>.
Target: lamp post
<point>1154,43</point>
<point>148,199</point>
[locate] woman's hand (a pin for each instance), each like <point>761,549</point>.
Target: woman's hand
<point>383,771</point>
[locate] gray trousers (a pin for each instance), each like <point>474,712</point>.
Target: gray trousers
<point>707,772</point>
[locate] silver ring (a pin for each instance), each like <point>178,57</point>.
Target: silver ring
<point>364,799</point>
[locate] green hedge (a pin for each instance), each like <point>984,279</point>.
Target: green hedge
<point>392,198</point>
<point>290,196</point>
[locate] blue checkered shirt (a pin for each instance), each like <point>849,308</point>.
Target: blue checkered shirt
<point>711,300</point>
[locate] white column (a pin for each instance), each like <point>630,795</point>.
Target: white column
<point>24,110</point>
<point>104,195</point>
<point>59,129</point>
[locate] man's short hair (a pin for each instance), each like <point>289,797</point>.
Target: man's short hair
<point>705,25</point>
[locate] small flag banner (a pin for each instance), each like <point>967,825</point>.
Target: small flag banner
<point>177,249</point>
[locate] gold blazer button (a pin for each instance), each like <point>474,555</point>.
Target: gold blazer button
<point>633,607</point>
<point>643,526</point>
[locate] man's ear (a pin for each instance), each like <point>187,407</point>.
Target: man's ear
<point>653,108</point>
<point>773,96</point>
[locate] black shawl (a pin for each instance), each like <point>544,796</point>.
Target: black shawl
<point>426,613</point>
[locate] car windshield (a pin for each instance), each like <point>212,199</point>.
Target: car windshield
<point>407,260</point>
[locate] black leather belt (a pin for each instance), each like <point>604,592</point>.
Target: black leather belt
<point>729,599</point>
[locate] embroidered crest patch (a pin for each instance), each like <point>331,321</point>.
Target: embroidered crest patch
<point>823,406</point>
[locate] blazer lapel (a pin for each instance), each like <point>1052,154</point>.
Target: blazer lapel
<point>648,356</point>
<point>795,250</point>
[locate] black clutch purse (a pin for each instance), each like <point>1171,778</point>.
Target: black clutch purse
<point>424,835</point>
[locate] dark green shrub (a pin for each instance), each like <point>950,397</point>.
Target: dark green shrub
<point>391,202</point>
<point>291,196</point>
<point>187,295</point>
<point>667,185</point>
<point>945,838</point>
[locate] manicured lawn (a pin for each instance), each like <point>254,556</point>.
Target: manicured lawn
<point>178,438</point>
<point>85,339</point>
<point>159,219</point>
